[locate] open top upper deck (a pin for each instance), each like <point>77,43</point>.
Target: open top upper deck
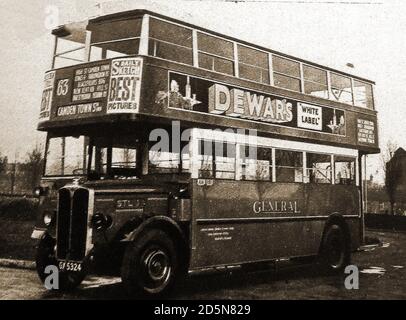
<point>142,66</point>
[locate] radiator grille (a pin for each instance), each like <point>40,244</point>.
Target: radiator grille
<point>72,224</point>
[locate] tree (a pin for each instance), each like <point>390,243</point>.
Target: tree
<point>392,168</point>
<point>3,163</point>
<point>388,153</point>
<point>33,166</point>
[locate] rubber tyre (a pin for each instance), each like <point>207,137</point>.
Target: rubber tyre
<point>335,251</point>
<point>150,265</point>
<point>45,256</point>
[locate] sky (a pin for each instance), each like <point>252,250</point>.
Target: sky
<point>369,34</point>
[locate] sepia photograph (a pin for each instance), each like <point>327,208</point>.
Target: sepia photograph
<point>202,154</point>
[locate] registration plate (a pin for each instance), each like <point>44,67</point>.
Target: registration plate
<point>70,266</point>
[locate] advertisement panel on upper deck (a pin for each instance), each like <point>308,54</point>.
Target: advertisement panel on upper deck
<point>125,86</point>
<point>93,89</point>
<point>234,104</point>
<point>194,94</point>
<point>46,101</point>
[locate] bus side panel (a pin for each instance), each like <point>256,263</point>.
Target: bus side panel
<point>245,221</point>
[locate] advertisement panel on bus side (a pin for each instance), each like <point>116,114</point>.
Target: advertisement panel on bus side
<point>92,89</point>
<point>204,96</point>
<point>199,97</point>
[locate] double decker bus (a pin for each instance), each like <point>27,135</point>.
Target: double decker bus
<point>172,150</point>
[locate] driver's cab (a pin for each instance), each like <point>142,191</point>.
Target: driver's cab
<point>107,157</point>
<point>112,158</point>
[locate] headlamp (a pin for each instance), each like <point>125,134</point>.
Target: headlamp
<point>48,217</point>
<point>40,191</point>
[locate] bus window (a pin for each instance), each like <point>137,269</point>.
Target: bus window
<point>65,156</point>
<point>168,162</point>
<point>289,166</point>
<point>123,158</point>
<point>169,41</point>
<point>253,64</point>
<point>341,88</point>
<point>54,157</point>
<point>222,165</point>
<point>315,82</point>
<point>363,96</point>
<point>163,162</point>
<point>70,45</point>
<point>225,160</point>
<point>123,163</point>
<point>165,158</point>
<point>318,168</point>
<point>115,39</point>
<point>215,54</point>
<point>185,162</point>
<point>98,167</point>
<point>256,163</point>
<point>344,170</point>
<point>74,155</point>
<point>286,73</point>
<point>113,163</point>
<point>205,159</point>
<point>111,50</point>
<point>68,53</point>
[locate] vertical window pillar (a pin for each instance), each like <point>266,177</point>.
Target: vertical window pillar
<point>45,155</point>
<point>365,183</point>
<point>213,158</point>
<point>236,66</point>
<point>273,165</point>
<point>143,50</point>
<point>333,169</point>
<point>195,49</point>
<point>109,161</point>
<point>85,151</point>
<point>328,85</point>
<point>373,100</point>
<point>302,88</point>
<point>193,154</point>
<point>144,158</point>
<point>271,80</point>
<point>238,161</point>
<point>353,92</point>
<point>54,52</point>
<point>63,146</point>
<point>305,176</point>
<point>87,45</point>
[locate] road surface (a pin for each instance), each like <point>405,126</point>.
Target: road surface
<point>382,276</point>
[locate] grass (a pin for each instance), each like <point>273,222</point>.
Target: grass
<point>22,209</point>
<point>17,219</point>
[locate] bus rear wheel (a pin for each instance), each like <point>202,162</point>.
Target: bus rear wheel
<point>335,252</point>
<point>150,265</point>
<point>45,256</point>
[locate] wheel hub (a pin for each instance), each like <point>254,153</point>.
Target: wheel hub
<point>157,265</point>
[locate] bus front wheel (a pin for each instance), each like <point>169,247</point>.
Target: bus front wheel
<point>150,264</point>
<point>335,251</point>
